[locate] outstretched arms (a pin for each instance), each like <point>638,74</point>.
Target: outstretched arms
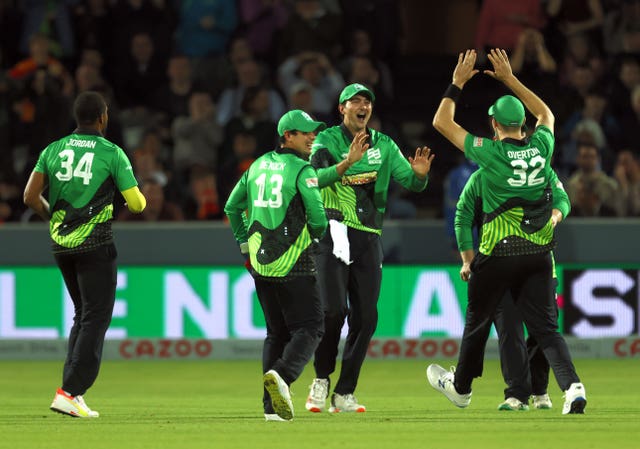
<point>502,72</point>
<point>443,120</point>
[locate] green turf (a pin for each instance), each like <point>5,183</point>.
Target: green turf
<point>213,404</point>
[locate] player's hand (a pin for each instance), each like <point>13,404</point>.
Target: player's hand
<point>357,148</point>
<point>465,271</point>
<point>501,66</point>
<point>421,162</point>
<point>465,69</point>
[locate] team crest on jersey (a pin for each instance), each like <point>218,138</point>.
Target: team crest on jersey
<point>477,141</point>
<point>374,156</point>
<point>312,182</point>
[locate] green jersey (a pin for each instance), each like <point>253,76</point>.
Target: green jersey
<point>469,209</point>
<point>516,191</point>
<point>359,198</point>
<point>284,212</point>
<point>83,171</point>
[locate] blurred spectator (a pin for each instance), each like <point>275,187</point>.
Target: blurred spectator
<point>570,98</point>
<point>570,17</point>
<point>223,73</point>
<point>93,24</point>
<point>244,151</point>
<point>142,75</point>
<point>585,132</point>
<point>197,137</point>
<point>595,107</point>
<point>363,70</point>
<point>40,58</point>
<point>311,27</point>
<point>261,21</point>
<point>631,122</point>
<point>621,29</point>
<point>359,43</point>
<point>157,209</point>
<point>130,17</point>
<point>299,97</point>
<point>580,50</point>
<point>51,19</point>
<point>590,190</point>
<point>627,173</point>
<point>532,62</point>
<point>254,119</point>
<point>147,166</point>
<point>203,202</point>
<point>11,205</point>
<point>316,70</point>
<point>453,185</point>
<point>203,34</point>
<point>588,202</point>
<point>249,74</point>
<point>44,112</point>
<point>502,21</point>
<point>380,20</point>
<point>205,27</point>
<point>628,77</point>
<point>173,96</point>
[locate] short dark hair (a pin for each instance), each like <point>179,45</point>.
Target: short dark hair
<point>88,107</point>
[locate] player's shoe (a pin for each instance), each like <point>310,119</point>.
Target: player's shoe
<point>541,401</point>
<point>280,396</point>
<point>442,380</point>
<point>575,399</point>
<point>513,404</point>
<point>273,417</point>
<point>345,403</point>
<point>72,405</point>
<point>318,393</point>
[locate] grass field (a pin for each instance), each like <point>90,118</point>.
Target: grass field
<point>214,404</point>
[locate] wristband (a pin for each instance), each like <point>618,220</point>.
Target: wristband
<point>452,92</point>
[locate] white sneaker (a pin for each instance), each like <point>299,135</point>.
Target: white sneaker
<point>513,404</point>
<point>316,402</point>
<point>345,403</point>
<point>280,396</point>
<point>72,405</point>
<point>575,399</point>
<point>442,380</point>
<point>541,401</point>
<point>273,417</point>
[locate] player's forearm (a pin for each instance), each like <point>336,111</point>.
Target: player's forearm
<point>467,256</point>
<point>40,206</point>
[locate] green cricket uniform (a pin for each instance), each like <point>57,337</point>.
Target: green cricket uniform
<point>516,193</point>
<point>359,198</point>
<point>515,252</point>
<point>83,170</point>
<point>284,213</point>
<point>469,212</point>
<point>521,382</point>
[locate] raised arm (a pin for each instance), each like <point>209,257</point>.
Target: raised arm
<point>502,72</point>
<point>443,120</point>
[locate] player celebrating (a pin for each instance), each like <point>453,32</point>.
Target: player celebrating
<point>517,231</point>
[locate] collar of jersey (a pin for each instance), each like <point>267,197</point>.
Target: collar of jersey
<point>89,131</point>
<point>288,151</point>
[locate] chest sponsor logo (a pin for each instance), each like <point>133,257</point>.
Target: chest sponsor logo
<point>374,156</point>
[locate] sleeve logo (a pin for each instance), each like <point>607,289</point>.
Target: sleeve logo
<point>312,182</point>
<point>477,141</point>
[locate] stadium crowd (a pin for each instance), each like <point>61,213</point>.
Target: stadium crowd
<point>195,89</point>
